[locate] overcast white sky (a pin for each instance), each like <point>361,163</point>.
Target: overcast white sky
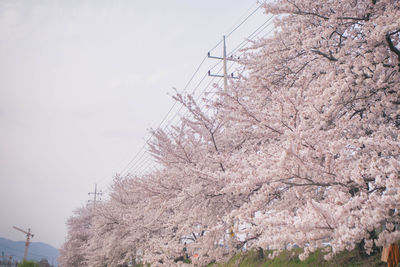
<point>80,83</point>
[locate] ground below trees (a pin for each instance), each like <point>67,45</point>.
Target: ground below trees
<point>290,259</point>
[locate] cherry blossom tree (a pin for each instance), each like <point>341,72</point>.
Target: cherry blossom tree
<point>302,149</point>
<point>325,90</point>
<point>73,251</point>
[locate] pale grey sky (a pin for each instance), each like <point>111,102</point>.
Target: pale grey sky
<point>80,83</point>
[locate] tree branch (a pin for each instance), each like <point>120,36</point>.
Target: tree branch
<point>216,148</point>
<point>330,56</point>
<point>392,47</point>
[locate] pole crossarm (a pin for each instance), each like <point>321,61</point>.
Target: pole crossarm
<point>95,194</point>
<point>221,76</point>
<point>215,75</point>
<point>224,59</point>
<point>220,58</point>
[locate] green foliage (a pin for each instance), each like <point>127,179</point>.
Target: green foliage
<point>28,264</point>
<point>354,258</point>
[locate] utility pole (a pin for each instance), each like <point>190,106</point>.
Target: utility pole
<point>95,194</point>
<point>28,239</point>
<point>225,70</point>
<point>224,59</point>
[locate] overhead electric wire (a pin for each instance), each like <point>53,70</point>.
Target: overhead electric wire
<point>148,161</point>
<point>240,24</point>
<point>240,46</point>
<point>254,34</point>
<point>195,88</point>
<point>166,115</point>
<point>245,14</point>
<point>141,157</point>
<point>167,126</point>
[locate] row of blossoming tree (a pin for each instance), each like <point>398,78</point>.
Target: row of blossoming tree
<point>303,149</point>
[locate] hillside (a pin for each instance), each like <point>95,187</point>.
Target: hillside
<point>36,252</point>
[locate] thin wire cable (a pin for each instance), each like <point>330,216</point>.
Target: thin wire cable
<point>240,46</point>
<point>170,122</point>
<point>167,128</point>
<point>261,28</point>
<point>254,34</point>
<point>140,162</point>
<point>251,14</point>
<point>243,15</point>
<point>240,24</point>
<point>166,115</point>
<point>129,167</point>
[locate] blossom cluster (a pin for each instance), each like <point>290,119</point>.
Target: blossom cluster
<point>303,149</point>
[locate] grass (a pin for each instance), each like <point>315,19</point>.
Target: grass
<point>354,258</point>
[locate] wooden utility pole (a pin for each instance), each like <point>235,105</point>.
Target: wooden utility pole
<point>28,239</point>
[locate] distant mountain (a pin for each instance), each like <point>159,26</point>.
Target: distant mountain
<point>36,251</point>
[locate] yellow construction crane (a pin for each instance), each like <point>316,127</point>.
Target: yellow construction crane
<point>28,239</point>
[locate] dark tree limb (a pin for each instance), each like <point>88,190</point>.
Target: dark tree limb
<point>330,56</point>
<point>392,47</point>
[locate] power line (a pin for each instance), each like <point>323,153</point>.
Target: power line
<point>147,156</point>
<point>240,23</point>
<point>166,115</point>
<point>142,157</point>
<point>146,159</point>
<point>142,149</point>
<point>254,34</point>
<point>243,15</point>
